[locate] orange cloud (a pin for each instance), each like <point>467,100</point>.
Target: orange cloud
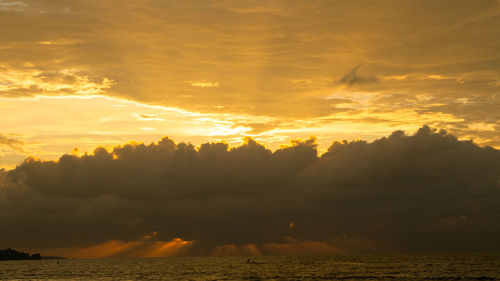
<point>121,249</point>
<point>292,247</point>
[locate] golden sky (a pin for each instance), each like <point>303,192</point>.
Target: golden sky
<point>79,74</point>
<point>244,82</point>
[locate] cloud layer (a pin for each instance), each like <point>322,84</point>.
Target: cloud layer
<point>423,192</point>
<point>433,60</point>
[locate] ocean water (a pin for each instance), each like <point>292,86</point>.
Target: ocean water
<point>351,267</point>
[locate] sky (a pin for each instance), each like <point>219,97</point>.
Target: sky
<point>242,108</point>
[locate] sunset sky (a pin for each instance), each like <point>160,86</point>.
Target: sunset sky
<point>242,100</point>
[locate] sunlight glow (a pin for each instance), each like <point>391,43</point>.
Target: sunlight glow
<point>49,126</point>
<point>122,249</point>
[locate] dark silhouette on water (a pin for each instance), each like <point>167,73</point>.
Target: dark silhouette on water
<point>36,257</point>
<point>253,262</point>
<point>11,254</point>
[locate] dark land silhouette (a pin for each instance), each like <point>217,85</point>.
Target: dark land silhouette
<point>11,254</point>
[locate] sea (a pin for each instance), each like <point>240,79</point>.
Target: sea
<point>435,266</point>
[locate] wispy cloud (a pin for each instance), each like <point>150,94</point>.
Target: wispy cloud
<point>203,84</point>
<point>33,81</point>
<point>15,6</point>
<point>352,78</point>
<point>13,143</point>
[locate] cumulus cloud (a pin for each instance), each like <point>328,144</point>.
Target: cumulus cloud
<point>422,192</point>
<point>353,78</point>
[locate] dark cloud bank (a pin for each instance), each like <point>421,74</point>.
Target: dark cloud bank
<point>424,192</point>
